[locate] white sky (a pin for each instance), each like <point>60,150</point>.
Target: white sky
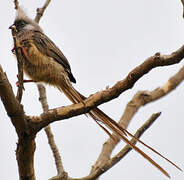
<point>103,40</point>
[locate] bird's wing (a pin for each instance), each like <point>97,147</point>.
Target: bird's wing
<point>46,46</point>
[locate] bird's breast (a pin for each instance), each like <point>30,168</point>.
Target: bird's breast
<point>40,67</point>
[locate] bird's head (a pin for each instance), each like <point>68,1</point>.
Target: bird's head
<point>24,23</point>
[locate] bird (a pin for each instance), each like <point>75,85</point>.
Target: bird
<point>44,62</point>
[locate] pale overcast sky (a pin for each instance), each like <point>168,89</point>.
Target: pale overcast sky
<point>103,40</point>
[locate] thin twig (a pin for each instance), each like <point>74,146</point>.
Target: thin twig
<point>16,4</point>
<point>43,97</point>
<point>20,76</point>
<point>50,136</point>
<point>40,11</point>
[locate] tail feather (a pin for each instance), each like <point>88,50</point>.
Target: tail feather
<point>120,133</point>
<point>96,120</point>
<point>68,95</point>
<point>71,98</point>
<point>99,115</point>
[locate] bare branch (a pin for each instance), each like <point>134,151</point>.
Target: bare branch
<point>55,151</point>
<point>140,98</point>
<point>122,153</point>
<point>25,157</point>
<point>43,97</point>
<point>12,106</point>
<point>26,143</point>
<point>20,76</point>
<point>108,94</point>
<point>40,11</point>
<point>50,136</point>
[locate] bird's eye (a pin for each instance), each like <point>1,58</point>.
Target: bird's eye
<point>22,23</point>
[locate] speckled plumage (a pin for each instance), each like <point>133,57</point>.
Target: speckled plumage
<point>38,66</point>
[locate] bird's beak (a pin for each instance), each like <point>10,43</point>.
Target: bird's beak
<point>12,27</point>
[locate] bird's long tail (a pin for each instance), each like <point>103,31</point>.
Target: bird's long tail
<point>99,115</point>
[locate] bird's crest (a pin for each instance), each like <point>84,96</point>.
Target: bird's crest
<point>21,15</point>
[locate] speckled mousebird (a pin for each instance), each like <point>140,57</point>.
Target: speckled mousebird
<point>44,62</point>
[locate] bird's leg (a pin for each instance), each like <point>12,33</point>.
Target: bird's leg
<point>24,81</point>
